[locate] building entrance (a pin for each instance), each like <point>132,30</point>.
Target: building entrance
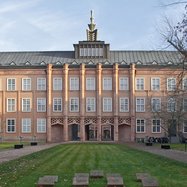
<point>107,132</point>
<point>57,133</point>
<point>91,132</point>
<point>75,132</point>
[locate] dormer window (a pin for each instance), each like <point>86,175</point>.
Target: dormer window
<point>43,63</point>
<point>27,63</point>
<point>58,63</point>
<point>74,62</point>
<point>12,63</point>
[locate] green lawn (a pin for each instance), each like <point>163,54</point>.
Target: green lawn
<point>8,145</point>
<point>65,160</point>
<point>175,146</point>
<point>180,147</point>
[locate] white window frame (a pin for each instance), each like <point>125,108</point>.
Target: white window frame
<point>41,125</point>
<point>140,107</point>
<point>156,126</point>
<point>74,103</point>
<point>158,105</point>
<point>57,83</point>
<point>26,107</point>
<point>74,83</point>
<point>26,84</point>
<point>41,83</point>
<point>154,85</point>
<point>107,104</point>
<point>185,126</point>
<point>26,125</point>
<point>185,104</point>
<point>90,83</point>
<point>171,84</point>
<point>184,83</point>
<point>123,83</point>
<point>11,107</point>
<point>107,83</point>
<point>7,126</point>
<point>90,104</point>
<point>42,106</point>
<point>140,83</point>
<point>141,125</point>
<point>171,104</point>
<point>124,104</point>
<point>10,85</point>
<point>57,104</point>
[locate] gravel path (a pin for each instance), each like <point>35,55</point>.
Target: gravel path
<point>169,153</point>
<point>11,154</point>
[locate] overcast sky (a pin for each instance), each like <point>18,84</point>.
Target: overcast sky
<point>37,25</point>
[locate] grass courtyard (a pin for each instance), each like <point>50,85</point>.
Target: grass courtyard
<point>65,160</point>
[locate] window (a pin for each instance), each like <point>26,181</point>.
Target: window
<point>107,83</point>
<point>185,104</point>
<point>185,84</point>
<point>11,105</point>
<point>90,83</point>
<point>41,104</point>
<point>41,83</point>
<point>156,104</point>
<point>123,83</point>
<point>124,104</point>
<point>171,84</point>
<point>11,125</point>
<point>140,125</point>
<point>140,105</point>
<point>90,104</point>
<point>74,83</point>
<point>107,104</point>
<point>57,104</point>
<point>26,84</point>
<point>98,52</point>
<point>11,84</point>
<point>41,125</point>
<point>155,84</point>
<point>26,125</point>
<point>139,83</point>
<point>171,105</point>
<point>57,83</point>
<point>74,104</point>
<point>26,105</point>
<point>156,126</point>
<point>185,126</point>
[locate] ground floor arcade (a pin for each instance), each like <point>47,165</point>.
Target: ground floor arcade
<point>90,129</point>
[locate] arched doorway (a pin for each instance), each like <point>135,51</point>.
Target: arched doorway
<point>57,133</point>
<point>107,132</point>
<point>124,132</point>
<point>90,132</point>
<point>74,132</point>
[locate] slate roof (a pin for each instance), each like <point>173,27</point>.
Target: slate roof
<point>61,57</point>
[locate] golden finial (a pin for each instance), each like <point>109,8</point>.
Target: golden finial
<point>92,32</point>
<point>91,18</point>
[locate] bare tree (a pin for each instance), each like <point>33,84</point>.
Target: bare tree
<point>172,110</point>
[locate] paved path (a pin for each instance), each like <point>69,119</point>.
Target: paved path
<point>169,153</point>
<point>11,154</point>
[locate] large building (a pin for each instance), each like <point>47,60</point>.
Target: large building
<point>91,93</point>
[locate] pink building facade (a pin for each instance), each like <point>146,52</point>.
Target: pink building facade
<point>89,94</point>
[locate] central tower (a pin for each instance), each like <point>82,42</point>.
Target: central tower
<point>91,48</point>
